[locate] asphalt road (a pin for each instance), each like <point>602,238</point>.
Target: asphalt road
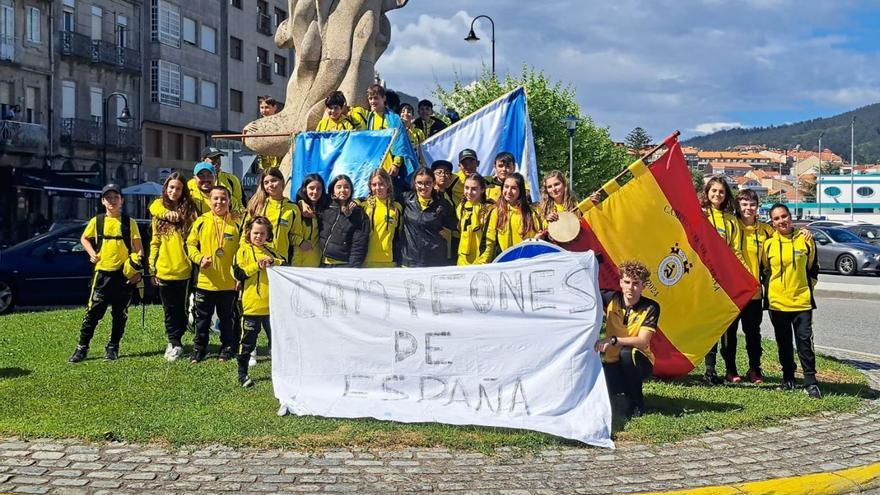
<point>848,324</point>
<point>857,280</point>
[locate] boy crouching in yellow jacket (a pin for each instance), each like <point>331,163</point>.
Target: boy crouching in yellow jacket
<point>251,262</point>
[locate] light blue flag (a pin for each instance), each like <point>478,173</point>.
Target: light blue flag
<point>401,146</point>
<point>328,154</point>
<point>502,125</point>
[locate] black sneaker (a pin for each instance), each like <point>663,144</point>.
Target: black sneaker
<point>636,412</point>
<point>197,355</point>
<point>225,354</point>
<point>79,354</point>
<point>111,353</point>
<point>787,385</point>
<point>712,378</point>
<point>813,391</point>
<point>245,381</point>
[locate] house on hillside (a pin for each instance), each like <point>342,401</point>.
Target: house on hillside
<point>705,159</point>
<point>744,182</point>
<point>730,169</point>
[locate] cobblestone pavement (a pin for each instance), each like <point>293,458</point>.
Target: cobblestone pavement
<point>800,446</point>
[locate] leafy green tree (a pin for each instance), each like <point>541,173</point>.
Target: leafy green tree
<point>637,139</point>
<point>697,177</point>
<point>596,157</point>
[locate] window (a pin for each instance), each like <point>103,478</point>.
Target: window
<point>165,83</point>
<point>234,48</point>
<point>209,39</point>
<point>189,30</point>
<point>68,20</point>
<point>280,16</point>
<point>31,105</point>
<point>7,28</point>
<point>193,148</point>
<point>865,191</point>
<point>97,22</point>
<point>833,191</point>
<point>235,3</point>
<point>209,94</point>
<point>280,65</point>
<point>96,103</point>
<point>153,144</point>
<point>69,3</point>
<point>121,30</point>
<point>68,99</point>
<point>263,69</point>
<point>166,23</point>
<point>189,89</point>
<point>32,25</point>
<point>236,99</point>
<point>175,145</point>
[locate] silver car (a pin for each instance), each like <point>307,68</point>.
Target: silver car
<point>868,233</point>
<point>842,251</point>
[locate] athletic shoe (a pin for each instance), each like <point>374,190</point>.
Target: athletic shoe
<point>252,361</point>
<point>79,354</point>
<point>174,353</point>
<point>197,355</point>
<point>733,378</point>
<point>225,354</point>
<point>787,385</point>
<point>712,378</point>
<point>111,353</point>
<point>813,391</point>
<point>168,349</point>
<point>755,376</point>
<point>245,381</point>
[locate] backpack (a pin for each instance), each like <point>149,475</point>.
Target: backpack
<point>125,237</point>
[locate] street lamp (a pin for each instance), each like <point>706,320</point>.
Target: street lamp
<point>124,117</point>
<point>473,38</point>
<point>571,123</point>
<point>852,169</point>
<point>819,177</point>
<point>797,177</point>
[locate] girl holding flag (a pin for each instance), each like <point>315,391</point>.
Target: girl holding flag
<point>512,221</point>
<point>384,215</point>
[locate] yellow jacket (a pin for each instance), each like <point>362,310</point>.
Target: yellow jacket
<point>226,180</point>
<point>209,234</point>
<point>385,220</point>
<point>497,240</point>
<point>493,189</point>
<point>201,200</point>
<point>328,124</point>
<point>726,225</point>
<point>168,258</point>
<point>306,230</point>
<point>472,223</point>
<point>255,293</point>
<point>789,270</point>
<point>113,253</point>
<point>283,215</point>
<point>752,239</point>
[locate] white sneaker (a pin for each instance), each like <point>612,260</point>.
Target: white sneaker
<point>168,350</point>
<point>253,359</point>
<point>176,353</point>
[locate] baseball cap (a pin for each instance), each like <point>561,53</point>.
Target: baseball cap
<point>110,187</point>
<point>467,153</point>
<point>202,166</point>
<point>211,151</point>
<point>441,164</point>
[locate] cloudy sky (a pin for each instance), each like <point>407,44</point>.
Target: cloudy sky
<point>693,65</point>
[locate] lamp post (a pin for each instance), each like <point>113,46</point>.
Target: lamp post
<point>571,123</point>
<point>852,169</point>
<point>125,117</point>
<point>819,177</point>
<point>472,37</point>
<point>797,177</point>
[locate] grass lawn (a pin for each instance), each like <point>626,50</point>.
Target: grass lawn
<point>142,398</point>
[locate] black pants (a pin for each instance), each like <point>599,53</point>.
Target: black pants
<point>225,303</point>
<point>627,375</point>
<point>174,300</point>
<point>800,325</point>
<point>250,330</point>
<point>750,316</point>
<point>108,289</point>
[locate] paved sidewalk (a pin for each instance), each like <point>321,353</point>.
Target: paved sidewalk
<point>796,447</point>
<point>847,290</point>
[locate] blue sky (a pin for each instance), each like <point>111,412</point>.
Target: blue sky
<point>692,65</point>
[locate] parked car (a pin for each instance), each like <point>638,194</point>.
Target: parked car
<point>834,223</point>
<point>52,269</point>
<point>867,233</point>
<point>842,251</point>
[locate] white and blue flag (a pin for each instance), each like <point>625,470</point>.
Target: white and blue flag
<point>502,125</point>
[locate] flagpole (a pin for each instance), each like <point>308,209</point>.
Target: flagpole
<point>239,136</point>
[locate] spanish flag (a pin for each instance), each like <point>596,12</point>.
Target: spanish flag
<point>698,281</point>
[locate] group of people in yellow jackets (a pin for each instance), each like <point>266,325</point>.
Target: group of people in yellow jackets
<point>781,257</point>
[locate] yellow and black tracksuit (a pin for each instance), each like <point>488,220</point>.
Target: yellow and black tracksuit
<point>217,237</point>
<point>255,299</point>
<point>170,264</point>
<point>429,126</point>
<point>201,199</point>
<point>494,187</point>
<point>282,214</point>
<point>306,230</point>
<point>626,368</point>
<point>110,285</point>
<point>789,271</point>
<point>727,227</point>
<point>457,187</point>
<point>424,221</point>
<point>385,220</point>
<point>343,124</point>
<point>472,224</point>
<point>226,180</point>
<point>499,239</point>
<point>377,121</point>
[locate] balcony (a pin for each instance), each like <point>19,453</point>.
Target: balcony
<point>7,48</point>
<point>100,52</point>
<point>23,137</point>
<point>264,73</point>
<point>264,23</point>
<point>89,133</point>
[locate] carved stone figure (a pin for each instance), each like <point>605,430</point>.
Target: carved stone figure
<point>337,44</point>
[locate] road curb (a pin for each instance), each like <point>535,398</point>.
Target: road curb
<point>851,480</point>
<point>848,294</point>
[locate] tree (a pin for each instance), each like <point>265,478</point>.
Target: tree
<point>698,179</point>
<point>596,158</point>
<point>637,139</point>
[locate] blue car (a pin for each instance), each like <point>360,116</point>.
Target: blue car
<point>52,269</point>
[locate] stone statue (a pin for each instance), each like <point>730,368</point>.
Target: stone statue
<point>337,44</point>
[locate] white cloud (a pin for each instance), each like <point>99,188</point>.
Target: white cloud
<point>710,127</point>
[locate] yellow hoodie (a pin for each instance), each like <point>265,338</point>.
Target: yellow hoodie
<point>472,222</point>
<point>255,294</point>
<point>283,215</point>
<point>168,258</point>
<point>790,270</point>
<point>384,222</point>
<point>497,240</point>
<point>752,239</point>
<point>306,230</point>
<point>208,234</point>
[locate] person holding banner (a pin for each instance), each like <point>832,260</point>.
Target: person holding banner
<point>344,228</point>
<point>269,202</point>
<point>311,202</point>
<point>630,323</point>
<point>336,119</point>
<point>212,244</point>
<point>250,264</point>
<point>556,197</point>
<point>512,221</point>
<point>385,216</point>
<point>790,270</point>
<point>382,118</point>
<point>473,214</point>
<point>718,204</point>
<point>425,214</point>
<point>169,266</point>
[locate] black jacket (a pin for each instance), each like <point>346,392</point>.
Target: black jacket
<point>344,237</point>
<point>422,244</point>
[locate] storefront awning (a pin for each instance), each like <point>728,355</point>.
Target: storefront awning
<point>53,183</point>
